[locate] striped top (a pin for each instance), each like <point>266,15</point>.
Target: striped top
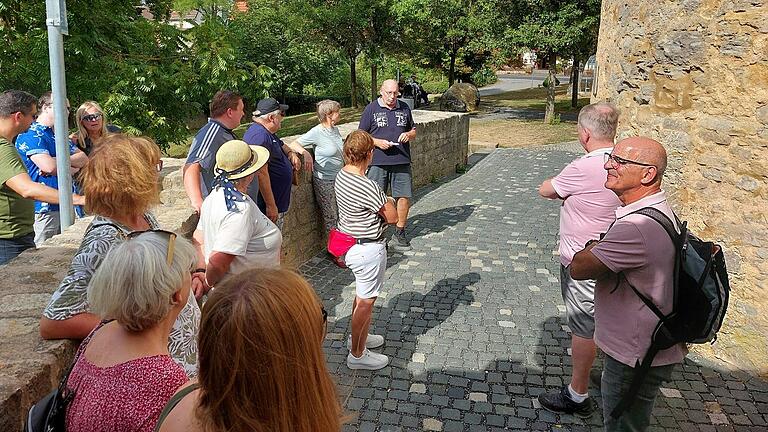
<point>359,200</point>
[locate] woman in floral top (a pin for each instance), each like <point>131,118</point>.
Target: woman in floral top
<point>121,182</point>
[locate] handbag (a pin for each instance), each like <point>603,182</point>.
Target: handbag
<point>339,243</point>
<point>49,413</point>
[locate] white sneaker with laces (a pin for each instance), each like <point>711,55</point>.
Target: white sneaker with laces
<point>368,360</point>
<point>373,341</point>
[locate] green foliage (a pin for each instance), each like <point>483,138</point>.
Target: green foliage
<point>483,77</point>
<point>150,77</point>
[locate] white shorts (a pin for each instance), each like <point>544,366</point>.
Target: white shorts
<point>368,262</point>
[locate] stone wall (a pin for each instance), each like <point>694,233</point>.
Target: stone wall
<point>30,367</point>
<point>693,74</point>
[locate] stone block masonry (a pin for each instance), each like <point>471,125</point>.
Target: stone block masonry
<point>693,74</point>
<point>31,367</point>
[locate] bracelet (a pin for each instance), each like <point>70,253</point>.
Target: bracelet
<point>198,270</point>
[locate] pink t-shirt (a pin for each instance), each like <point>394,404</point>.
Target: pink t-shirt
<point>639,247</point>
<point>588,207</point>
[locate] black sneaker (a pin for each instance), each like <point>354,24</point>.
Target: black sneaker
<point>562,403</point>
<point>399,242</point>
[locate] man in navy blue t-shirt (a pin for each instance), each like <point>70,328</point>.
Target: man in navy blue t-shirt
<point>390,123</point>
<point>275,184</point>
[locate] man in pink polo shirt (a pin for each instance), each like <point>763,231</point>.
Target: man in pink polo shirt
<point>636,250</point>
<point>587,211</point>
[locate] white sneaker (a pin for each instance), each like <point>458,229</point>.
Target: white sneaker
<point>373,341</point>
<point>368,360</point>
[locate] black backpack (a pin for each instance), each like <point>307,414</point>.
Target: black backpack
<point>701,293</point>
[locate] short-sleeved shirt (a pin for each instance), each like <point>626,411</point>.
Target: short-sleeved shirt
<point>71,297</point>
<point>639,248</point>
<point>280,168</point>
<point>359,200</point>
<point>247,234</point>
<point>588,207</point>
<point>17,215</point>
<point>388,123</point>
<point>203,151</point>
<point>39,139</point>
<point>328,146</point>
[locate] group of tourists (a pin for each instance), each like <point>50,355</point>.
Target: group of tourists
<point>153,359</point>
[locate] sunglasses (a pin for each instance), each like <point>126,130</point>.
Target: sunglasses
<point>171,241</point>
<point>91,117</point>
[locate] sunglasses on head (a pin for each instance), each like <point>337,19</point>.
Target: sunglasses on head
<point>171,241</point>
<point>91,117</point>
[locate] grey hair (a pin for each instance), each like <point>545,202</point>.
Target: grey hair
<point>601,119</point>
<point>134,284</point>
<point>269,114</point>
<point>327,107</point>
<point>13,101</point>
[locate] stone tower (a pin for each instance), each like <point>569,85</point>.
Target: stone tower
<point>693,74</point>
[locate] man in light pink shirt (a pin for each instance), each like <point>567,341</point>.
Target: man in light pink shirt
<point>636,250</point>
<point>587,211</point>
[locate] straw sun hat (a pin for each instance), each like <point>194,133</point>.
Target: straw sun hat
<point>239,159</point>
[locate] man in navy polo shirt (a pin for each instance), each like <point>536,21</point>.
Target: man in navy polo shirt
<point>226,110</point>
<point>275,184</point>
<point>37,148</point>
<point>390,123</point>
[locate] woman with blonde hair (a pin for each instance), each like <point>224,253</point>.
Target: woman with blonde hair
<point>123,373</point>
<point>92,126</point>
<point>122,183</point>
<point>364,212</point>
<point>262,365</point>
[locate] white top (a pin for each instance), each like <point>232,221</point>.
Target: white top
<point>248,234</point>
<point>328,146</point>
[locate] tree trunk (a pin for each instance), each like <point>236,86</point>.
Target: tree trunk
<point>549,114</point>
<point>374,80</point>
<point>353,79</point>
<point>451,68</point>
<point>575,83</point>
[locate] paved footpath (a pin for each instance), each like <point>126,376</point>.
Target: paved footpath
<point>473,319</point>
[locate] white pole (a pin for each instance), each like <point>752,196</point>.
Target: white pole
<point>57,27</point>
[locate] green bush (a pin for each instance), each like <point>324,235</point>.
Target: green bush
<point>435,86</point>
<point>484,77</point>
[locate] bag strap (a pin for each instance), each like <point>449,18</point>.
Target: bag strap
<point>677,242</point>
<point>641,370</point>
<point>175,399</point>
<point>78,354</point>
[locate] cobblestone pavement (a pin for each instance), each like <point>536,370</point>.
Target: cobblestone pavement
<point>473,319</point>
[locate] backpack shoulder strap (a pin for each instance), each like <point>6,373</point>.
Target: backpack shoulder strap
<point>662,220</point>
<point>175,399</point>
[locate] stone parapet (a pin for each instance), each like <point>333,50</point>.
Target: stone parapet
<point>694,76</point>
<point>30,367</point>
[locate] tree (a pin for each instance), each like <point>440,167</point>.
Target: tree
<point>555,27</point>
<point>444,32</point>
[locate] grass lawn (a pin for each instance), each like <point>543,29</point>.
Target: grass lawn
<point>292,125</point>
<point>535,99</point>
<point>519,133</point>
<point>494,132</point>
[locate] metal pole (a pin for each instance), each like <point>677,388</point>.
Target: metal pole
<point>57,27</point>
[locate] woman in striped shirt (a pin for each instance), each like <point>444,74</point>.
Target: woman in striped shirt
<point>364,212</point>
